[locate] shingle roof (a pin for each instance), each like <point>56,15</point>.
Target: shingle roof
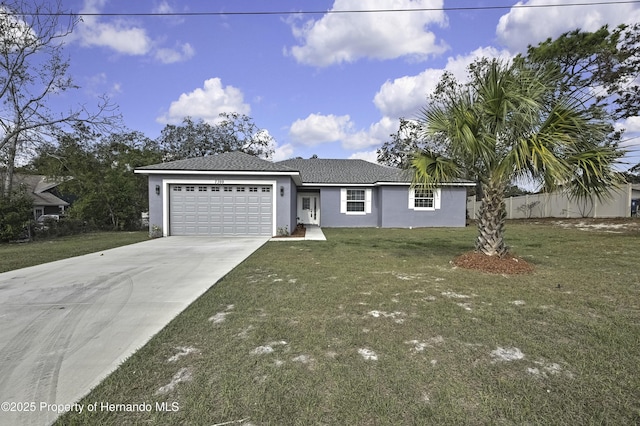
<point>312,171</point>
<point>228,161</point>
<point>319,170</point>
<point>37,187</point>
<point>47,199</point>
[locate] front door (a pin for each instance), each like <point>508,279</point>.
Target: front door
<point>309,208</point>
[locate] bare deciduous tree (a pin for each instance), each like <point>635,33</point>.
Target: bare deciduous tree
<point>33,70</point>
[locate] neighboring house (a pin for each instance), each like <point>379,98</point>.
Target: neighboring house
<point>239,194</point>
<point>43,192</point>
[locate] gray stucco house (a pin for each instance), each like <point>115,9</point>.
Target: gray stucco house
<point>237,194</point>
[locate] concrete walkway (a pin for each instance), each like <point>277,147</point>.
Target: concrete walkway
<point>64,326</point>
<point>312,233</point>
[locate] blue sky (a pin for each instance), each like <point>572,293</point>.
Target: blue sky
<point>334,85</point>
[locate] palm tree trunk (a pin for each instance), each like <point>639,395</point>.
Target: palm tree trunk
<point>491,219</point>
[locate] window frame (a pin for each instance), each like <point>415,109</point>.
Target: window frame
<point>435,197</point>
<point>344,201</point>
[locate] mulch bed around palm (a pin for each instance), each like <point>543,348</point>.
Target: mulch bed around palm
<point>507,264</point>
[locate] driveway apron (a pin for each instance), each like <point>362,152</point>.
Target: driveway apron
<point>64,326</point>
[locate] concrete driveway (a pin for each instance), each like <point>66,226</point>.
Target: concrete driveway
<point>64,326</point>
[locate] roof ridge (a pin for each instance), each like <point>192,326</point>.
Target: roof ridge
<point>224,161</point>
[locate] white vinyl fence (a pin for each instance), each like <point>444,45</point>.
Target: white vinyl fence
<point>558,204</point>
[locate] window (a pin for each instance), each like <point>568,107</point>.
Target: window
<point>228,189</point>
<point>355,201</point>
<point>215,189</point>
<point>266,189</point>
<point>424,198</point>
<point>190,188</point>
<point>306,203</point>
<point>253,189</point>
<point>177,188</point>
<point>240,189</point>
<point>202,189</point>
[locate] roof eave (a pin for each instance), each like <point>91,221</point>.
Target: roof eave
<point>382,183</point>
<point>294,174</point>
<point>467,184</point>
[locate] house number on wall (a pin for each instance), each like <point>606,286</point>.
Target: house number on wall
<point>218,182</point>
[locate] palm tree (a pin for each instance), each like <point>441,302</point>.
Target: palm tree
<point>508,123</point>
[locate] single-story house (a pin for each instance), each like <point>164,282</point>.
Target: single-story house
<point>43,192</point>
<point>238,194</point>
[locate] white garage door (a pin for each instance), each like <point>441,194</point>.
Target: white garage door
<point>221,210</point>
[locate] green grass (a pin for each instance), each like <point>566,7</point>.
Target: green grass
<point>21,255</point>
<point>579,331</point>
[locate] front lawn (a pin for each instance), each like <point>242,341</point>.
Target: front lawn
<point>20,255</point>
<point>376,326</point>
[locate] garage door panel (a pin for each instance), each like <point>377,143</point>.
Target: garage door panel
<point>220,210</point>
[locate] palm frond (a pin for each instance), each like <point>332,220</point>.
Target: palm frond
<point>431,169</point>
<point>593,174</point>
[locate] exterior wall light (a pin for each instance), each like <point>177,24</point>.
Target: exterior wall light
<point>282,191</point>
<point>157,189</point>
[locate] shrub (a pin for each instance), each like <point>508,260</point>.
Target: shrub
<point>16,212</point>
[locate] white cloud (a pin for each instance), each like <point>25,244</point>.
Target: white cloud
<point>99,85</point>
<point>180,54</point>
<point>318,128</point>
<point>404,96</point>
<point>370,156</point>
<point>124,36</point>
<point>374,136</point>
<point>358,140</point>
<point>523,26</point>
<point>337,38</point>
<point>17,33</point>
<point>163,7</point>
<point>630,125</point>
<point>206,103</point>
<point>119,35</point>
<point>283,152</point>
<point>633,124</point>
